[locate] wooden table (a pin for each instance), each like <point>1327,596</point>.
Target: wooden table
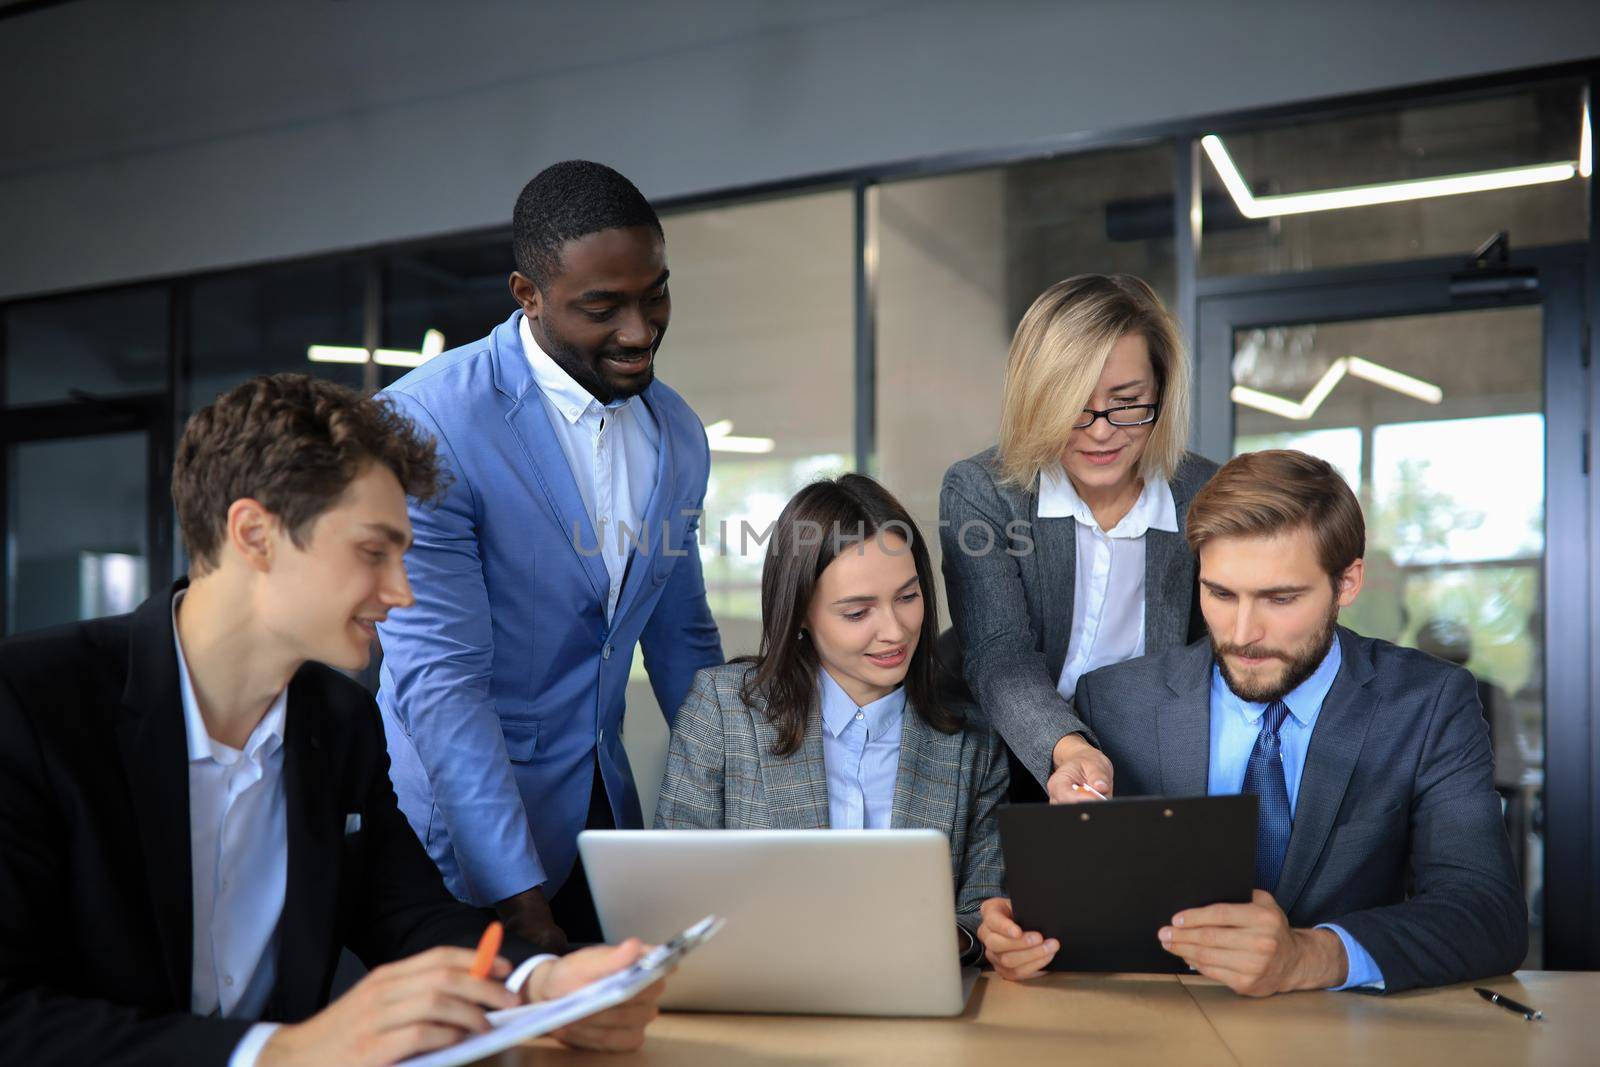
<point>1108,1020</point>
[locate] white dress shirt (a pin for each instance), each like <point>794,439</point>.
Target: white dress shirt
<point>239,861</point>
<point>611,449</point>
<point>239,857</point>
<point>1108,597</point>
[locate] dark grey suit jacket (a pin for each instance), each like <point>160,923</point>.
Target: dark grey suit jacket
<point>1397,831</point>
<point>721,774</point>
<point>1013,612</point>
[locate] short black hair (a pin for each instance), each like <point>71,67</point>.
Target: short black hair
<point>566,201</point>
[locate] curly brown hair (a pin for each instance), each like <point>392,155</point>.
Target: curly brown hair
<point>293,443</point>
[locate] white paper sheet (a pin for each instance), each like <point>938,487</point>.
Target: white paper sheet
<point>513,1026</point>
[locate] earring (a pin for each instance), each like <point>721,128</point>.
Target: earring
<point>799,635</point>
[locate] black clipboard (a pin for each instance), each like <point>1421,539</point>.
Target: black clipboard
<point>1102,878</point>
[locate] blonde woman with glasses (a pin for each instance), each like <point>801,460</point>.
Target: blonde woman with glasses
<point>1063,546</point>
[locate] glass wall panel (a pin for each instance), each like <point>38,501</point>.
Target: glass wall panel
<point>1511,134</point>
<point>762,347</point>
<point>1438,422</point>
<point>265,320</point>
<point>460,291</point>
<point>960,258</point>
<point>78,539</point>
<point>103,344</point>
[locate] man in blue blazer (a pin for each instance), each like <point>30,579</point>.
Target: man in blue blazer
<point>567,536</point>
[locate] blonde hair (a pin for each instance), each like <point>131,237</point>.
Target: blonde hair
<point>1259,494</point>
<point>1057,356</point>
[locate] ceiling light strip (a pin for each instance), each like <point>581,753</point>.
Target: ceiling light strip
<point>1378,374</point>
<point>1586,144</point>
<point>336,354</point>
<point>1261,207</point>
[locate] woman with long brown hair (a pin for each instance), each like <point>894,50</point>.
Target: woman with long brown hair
<point>843,719</point>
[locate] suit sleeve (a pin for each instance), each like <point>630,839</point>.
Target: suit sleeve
<point>988,605</point>
<point>680,637</point>
<point>402,905</point>
<point>691,795</point>
<point>983,865</point>
<point>1465,917</point>
<point>41,1021</point>
<point>438,658</point>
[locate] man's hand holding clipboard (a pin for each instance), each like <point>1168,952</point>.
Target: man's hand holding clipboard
<point>1094,885</point>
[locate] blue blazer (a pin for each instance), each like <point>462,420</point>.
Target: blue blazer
<point>503,681</point>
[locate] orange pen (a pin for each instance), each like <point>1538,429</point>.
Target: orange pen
<point>488,949</point>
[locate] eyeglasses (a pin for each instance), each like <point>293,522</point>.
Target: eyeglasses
<point>1127,415</point>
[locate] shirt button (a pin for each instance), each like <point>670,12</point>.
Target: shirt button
<point>861,715</point>
<point>227,980</point>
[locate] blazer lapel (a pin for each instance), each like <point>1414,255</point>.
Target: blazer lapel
<point>530,424</point>
<point>1168,579</point>
<point>925,791</point>
<point>155,756</point>
<point>656,538</point>
<point>306,930</point>
<point>796,785</point>
<point>1183,727</point>
<point>1055,556</point>
<point>1336,741</point>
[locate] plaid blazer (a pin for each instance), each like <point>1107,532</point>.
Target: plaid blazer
<point>722,774</point>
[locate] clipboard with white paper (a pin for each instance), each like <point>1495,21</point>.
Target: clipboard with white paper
<point>513,1026</point>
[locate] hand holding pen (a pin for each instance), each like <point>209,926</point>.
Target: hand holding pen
<point>1079,772</point>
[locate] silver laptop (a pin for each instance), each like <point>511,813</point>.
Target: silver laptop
<point>819,922</point>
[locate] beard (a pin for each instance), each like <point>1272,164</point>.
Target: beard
<point>1299,664</point>
<point>585,368</point>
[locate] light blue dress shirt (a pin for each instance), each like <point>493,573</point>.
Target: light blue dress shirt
<point>1235,725</point>
<point>612,450</point>
<point>861,752</point>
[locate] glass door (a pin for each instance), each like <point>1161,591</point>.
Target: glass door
<point>84,506</point>
<point>1452,402</point>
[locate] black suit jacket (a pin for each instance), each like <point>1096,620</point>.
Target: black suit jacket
<point>96,924</point>
<point>1397,830</point>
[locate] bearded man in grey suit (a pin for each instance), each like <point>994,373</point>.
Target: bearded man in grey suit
<point>1381,858</point>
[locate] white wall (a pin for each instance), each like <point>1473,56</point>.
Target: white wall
<point>139,139</point>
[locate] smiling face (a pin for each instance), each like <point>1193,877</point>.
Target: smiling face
<point>322,602</point>
<point>603,315</point>
<point>1106,457</point>
<point>1271,609</point>
<point>865,617</point>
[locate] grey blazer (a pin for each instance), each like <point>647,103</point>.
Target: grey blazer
<point>721,774</point>
<point>1012,606</point>
<point>1397,831</point>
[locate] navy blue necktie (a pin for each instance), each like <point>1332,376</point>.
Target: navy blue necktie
<point>1264,778</point>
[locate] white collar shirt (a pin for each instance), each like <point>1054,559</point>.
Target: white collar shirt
<point>1108,599</point>
<point>612,451</point>
<point>239,856</point>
